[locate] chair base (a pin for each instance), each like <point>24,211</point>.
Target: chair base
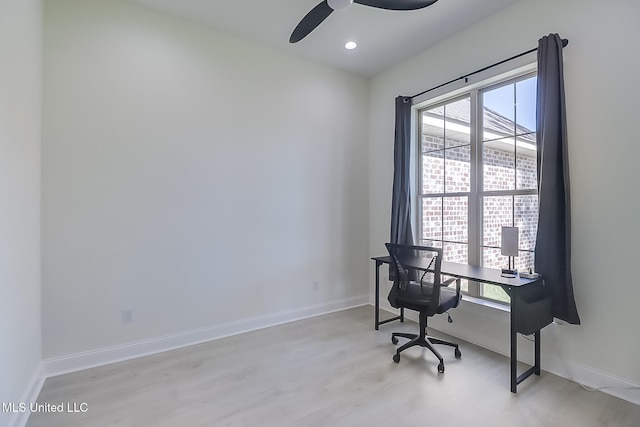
<point>423,340</point>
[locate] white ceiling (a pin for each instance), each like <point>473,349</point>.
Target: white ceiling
<point>384,37</point>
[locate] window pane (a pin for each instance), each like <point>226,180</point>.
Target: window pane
<point>526,104</point>
<point>433,129</point>
<point>498,113</point>
<point>526,219</point>
<point>456,218</point>
<point>491,257</point>
<point>432,218</point>
<point>494,292</point>
<point>455,252</point>
<point>458,170</point>
<point>432,243</point>
<point>498,164</point>
<point>524,260</point>
<point>496,213</point>
<point>457,130</point>
<point>526,173</point>
<point>433,172</point>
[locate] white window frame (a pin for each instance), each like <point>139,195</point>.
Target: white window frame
<point>475,205</point>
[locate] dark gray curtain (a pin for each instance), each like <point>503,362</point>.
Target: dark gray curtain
<point>401,197</point>
<point>553,242</point>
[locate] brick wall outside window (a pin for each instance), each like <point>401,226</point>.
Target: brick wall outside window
<point>451,224</point>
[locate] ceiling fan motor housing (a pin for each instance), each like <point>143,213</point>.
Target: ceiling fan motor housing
<point>339,4</point>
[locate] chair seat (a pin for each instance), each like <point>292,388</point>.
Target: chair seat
<point>417,297</point>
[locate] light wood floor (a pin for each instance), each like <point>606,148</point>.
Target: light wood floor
<point>332,370</point>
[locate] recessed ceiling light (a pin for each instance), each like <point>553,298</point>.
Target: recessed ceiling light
<point>351,45</point>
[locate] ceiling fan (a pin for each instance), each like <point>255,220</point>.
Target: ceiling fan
<point>326,8</point>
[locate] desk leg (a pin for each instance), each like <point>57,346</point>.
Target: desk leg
<point>537,353</point>
<point>378,264</point>
<point>514,348</point>
<point>535,369</point>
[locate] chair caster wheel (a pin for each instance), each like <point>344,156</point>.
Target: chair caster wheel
<point>394,340</point>
<point>441,368</point>
<point>457,354</point>
<point>396,358</point>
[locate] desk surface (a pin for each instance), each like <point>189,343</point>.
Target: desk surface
<point>465,271</point>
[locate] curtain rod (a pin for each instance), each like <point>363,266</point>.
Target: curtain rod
<point>565,42</point>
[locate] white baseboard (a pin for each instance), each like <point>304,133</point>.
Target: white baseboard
<point>30,394</point>
<point>105,356</point>
<point>592,379</point>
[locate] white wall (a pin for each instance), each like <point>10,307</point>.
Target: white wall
<point>20,104</point>
<point>193,177</point>
<point>601,71</point>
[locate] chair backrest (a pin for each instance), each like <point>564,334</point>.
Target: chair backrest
<point>405,256</point>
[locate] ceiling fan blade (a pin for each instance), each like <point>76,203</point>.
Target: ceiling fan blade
<point>310,21</point>
<point>396,4</point>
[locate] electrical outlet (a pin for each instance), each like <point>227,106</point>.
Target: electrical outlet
<point>316,285</point>
<point>127,315</point>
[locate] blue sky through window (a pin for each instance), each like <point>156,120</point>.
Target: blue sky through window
<point>515,101</point>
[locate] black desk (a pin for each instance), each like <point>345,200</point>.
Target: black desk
<point>530,305</point>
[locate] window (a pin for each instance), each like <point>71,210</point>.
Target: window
<point>477,173</point>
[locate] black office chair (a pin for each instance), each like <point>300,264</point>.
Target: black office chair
<point>427,295</point>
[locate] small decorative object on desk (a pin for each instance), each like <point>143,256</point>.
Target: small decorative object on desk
<point>509,247</point>
<point>529,274</point>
